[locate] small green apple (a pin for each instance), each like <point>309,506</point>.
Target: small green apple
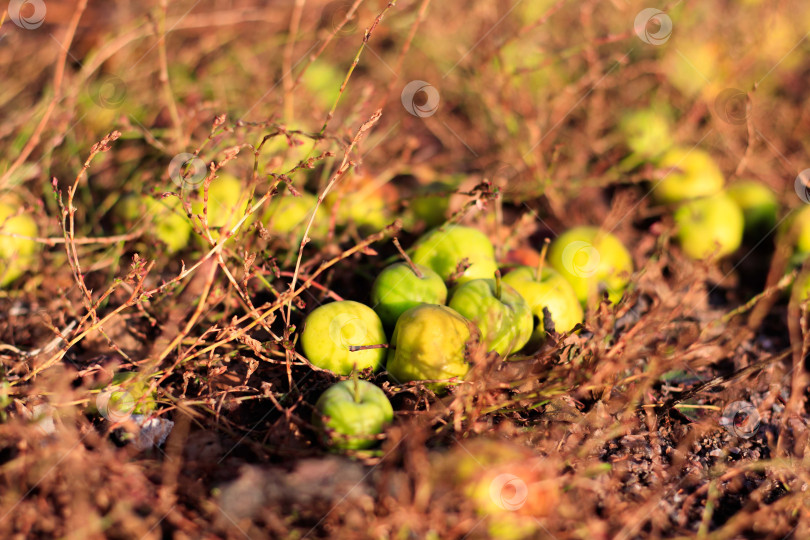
<point>226,204</point>
<point>351,414</point>
<point>289,215</point>
<point>398,288</point>
<point>166,218</point>
<point>552,292</point>
<point>16,254</point>
<point>430,342</point>
<point>444,248</point>
<point>431,203</point>
<point>331,330</point>
<point>592,260</point>
<point>500,313</point>
<point>690,173</point>
<point>758,203</point>
<point>709,226</point>
<point>364,201</point>
<point>647,132</point>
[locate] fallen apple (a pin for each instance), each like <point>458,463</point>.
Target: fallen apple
<point>164,218</point>
<point>226,204</point>
<point>709,227</point>
<point>689,173</point>
<point>501,314</point>
<point>431,203</point>
<point>331,332</point>
<point>430,343</point>
<point>758,203</point>
<point>16,254</point>
<point>287,215</point>
<point>444,248</point>
<point>592,261</point>
<point>551,292</point>
<point>398,288</point>
<point>647,131</point>
<point>350,415</point>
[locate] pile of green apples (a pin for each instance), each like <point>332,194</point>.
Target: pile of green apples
<point>443,306</point>
<point>711,220</point>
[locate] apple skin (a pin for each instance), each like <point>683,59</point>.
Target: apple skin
<point>690,173</point>
<point>224,208</point>
<point>289,215</point>
<point>711,226</point>
<point>505,323</point>
<point>430,342</point>
<point>443,249</point>
<point>329,331</point>
<point>350,414</point>
<point>167,218</point>
<point>590,260</point>
<point>758,203</point>
<point>16,254</point>
<point>430,205</point>
<point>647,132</point>
<point>397,289</point>
<point>552,292</point>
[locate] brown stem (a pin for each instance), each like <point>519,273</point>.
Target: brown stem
<point>498,285</point>
<point>539,274</point>
<point>408,260</point>
<point>355,348</point>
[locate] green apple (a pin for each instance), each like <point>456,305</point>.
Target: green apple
<point>647,132</point>
<point>592,260</point>
<point>430,342</point>
<point>444,248</point>
<point>166,218</point>
<point>758,203</point>
<point>351,414</point>
<point>711,226</point>
<point>398,288</point>
<point>331,330</point>
<point>288,215</point>
<point>507,484</point>
<point>501,314</point>
<point>16,254</point>
<point>431,203</point>
<point>364,201</point>
<point>690,173</point>
<point>552,292</point>
<point>226,204</point>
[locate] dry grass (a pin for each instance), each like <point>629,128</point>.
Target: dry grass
<point>615,431</point>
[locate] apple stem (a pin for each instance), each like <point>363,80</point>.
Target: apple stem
<point>498,286</point>
<point>539,275</point>
<point>355,386</point>
<point>355,348</point>
<point>408,260</point>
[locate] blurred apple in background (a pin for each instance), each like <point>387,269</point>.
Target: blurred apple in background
<point>162,217</point>
<point>688,173</point>
<point>365,201</point>
<point>288,216</point>
<point>709,227</point>
<point>16,254</point>
<point>647,132</point>
<point>758,203</point>
<point>227,203</point>
<point>592,260</point>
